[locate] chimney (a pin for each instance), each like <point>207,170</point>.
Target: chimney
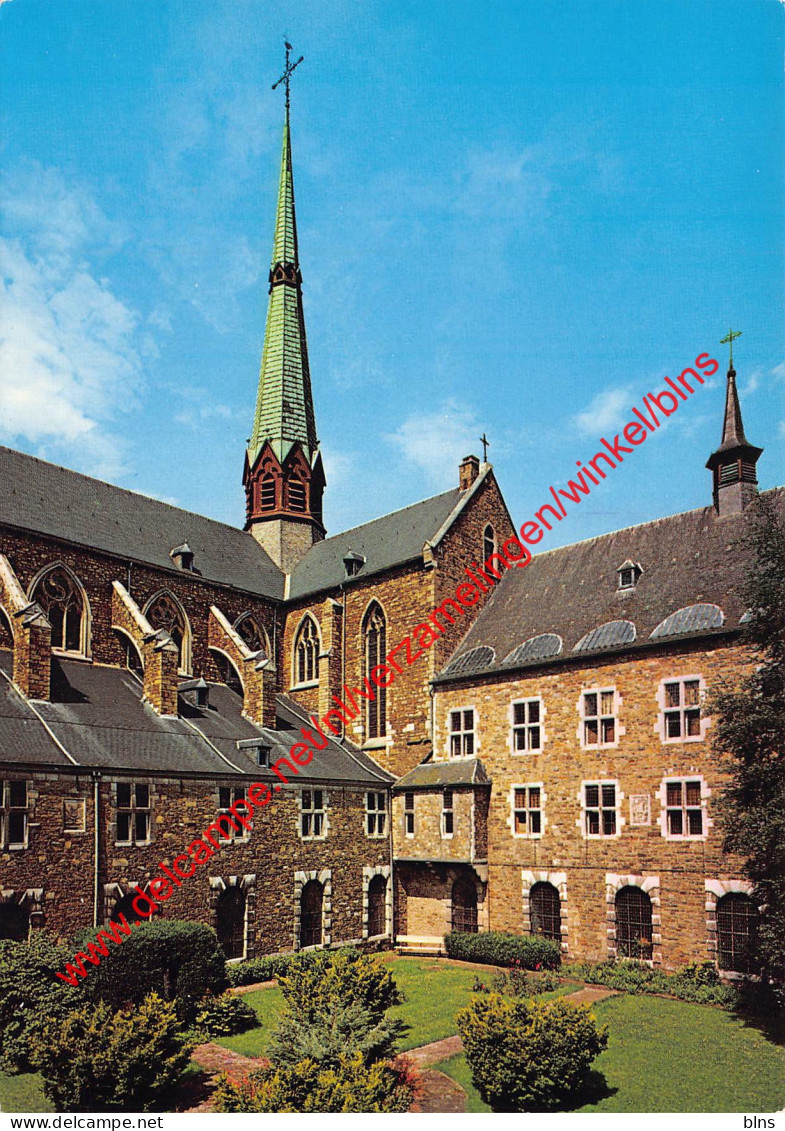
<point>468,471</point>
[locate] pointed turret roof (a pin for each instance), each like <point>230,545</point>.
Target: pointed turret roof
<point>733,437</point>
<point>284,404</point>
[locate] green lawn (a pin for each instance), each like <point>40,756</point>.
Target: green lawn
<point>673,1056</point>
<point>23,1093</point>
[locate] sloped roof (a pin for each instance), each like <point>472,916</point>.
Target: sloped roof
<point>97,715</point>
<point>435,775</point>
<point>687,559</point>
<point>384,543</point>
<point>50,500</point>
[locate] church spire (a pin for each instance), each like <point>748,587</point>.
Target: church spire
<point>283,476</point>
<point>733,463</point>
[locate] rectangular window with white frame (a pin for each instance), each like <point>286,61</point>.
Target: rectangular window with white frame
<point>448,813</point>
<point>681,719</point>
<point>600,804</point>
<point>527,810</point>
<point>598,718</point>
<point>226,796</point>
<point>684,808</point>
<point>375,813</point>
<point>462,727</point>
<point>132,813</point>
<point>313,825</point>
<point>14,814</point>
<point>408,814</point>
<point>527,726</point>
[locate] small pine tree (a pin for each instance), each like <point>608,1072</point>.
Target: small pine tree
<point>750,734</point>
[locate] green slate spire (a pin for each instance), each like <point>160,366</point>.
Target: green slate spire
<point>284,403</point>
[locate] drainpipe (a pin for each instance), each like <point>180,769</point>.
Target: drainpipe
<point>96,776</point>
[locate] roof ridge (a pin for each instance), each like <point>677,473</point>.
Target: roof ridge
<point>638,526</point>
<point>387,514</point>
<point>125,490</point>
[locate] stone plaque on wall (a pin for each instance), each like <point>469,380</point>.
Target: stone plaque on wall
<point>74,815</point>
<point>640,809</point>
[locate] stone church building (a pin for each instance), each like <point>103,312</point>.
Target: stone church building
<point>545,766</point>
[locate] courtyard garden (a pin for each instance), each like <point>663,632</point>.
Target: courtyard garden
<point>645,1053</point>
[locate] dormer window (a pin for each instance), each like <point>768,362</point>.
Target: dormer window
<point>628,574</point>
<point>183,557</point>
<point>353,563</point>
<point>257,749</point>
<point>196,692</point>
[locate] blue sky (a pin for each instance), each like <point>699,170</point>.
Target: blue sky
<point>515,216</point>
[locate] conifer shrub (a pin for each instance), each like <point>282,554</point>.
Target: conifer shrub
<point>529,1055</point>
<point>224,1015</point>
<point>499,948</point>
<point>30,995</point>
<point>348,1085</point>
<point>178,960</point>
<point>97,1060</point>
<point>336,1004</point>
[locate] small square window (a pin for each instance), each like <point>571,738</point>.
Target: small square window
<point>599,809</point>
<point>684,808</point>
<point>527,810</point>
<point>681,716</point>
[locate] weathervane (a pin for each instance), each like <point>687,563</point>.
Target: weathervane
<point>729,339</point>
<point>287,71</point>
<point>485,445</point>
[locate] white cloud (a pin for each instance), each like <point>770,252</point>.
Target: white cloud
<point>753,381</point>
<point>779,371</point>
<point>436,442</point>
<point>67,342</point>
<point>201,406</point>
<point>608,411</point>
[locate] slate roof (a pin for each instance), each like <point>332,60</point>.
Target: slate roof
<point>385,542</point>
<point>97,715</point>
<point>434,775</point>
<point>687,559</point>
<point>99,515</point>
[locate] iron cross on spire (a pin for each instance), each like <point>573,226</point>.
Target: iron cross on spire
<point>287,71</point>
<point>729,339</point>
<point>485,445</point>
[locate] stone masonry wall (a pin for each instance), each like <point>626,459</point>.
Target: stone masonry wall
<point>638,762</point>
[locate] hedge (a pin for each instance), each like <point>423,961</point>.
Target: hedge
<point>178,960</point>
<point>259,969</point>
<point>498,948</point>
<point>698,982</point>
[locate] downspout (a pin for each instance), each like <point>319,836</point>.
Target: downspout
<point>96,776</point>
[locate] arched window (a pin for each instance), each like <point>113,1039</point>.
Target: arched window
<point>633,923</point>
<point>228,673</point>
<point>377,906</point>
<point>124,906</point>
<point>545,911</point>
<point>252,633</point>
<point>488,542</point>
<point>62,597</point>
<point>131,657</point>
<point>6,636</point>
<point>230,922</point>
<point>296,494</point>
<point>738,920</point>
<point>464,906</point>
<point>267,493</point>
<point>165,611</point>
<point>375,636</point>
<point>306,652</point>
<point>311,914</point>
<point>14,922</point>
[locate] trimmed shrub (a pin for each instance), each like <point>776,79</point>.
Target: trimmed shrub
<point>698,982</point>
<point>30,995</point>
<point>348,1086</point>
<point>97,1060</point>
<point>260,969</point>
<point>499,948</point>
<point>336,1005</point>
<point>225,1015</point>
<point>529,1055</point>
<point>177,960</point>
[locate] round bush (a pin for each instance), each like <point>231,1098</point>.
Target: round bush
<point>225,1015</point>
<point>529,1055</point>
<point>31,995</point>
<point>95,1060</point>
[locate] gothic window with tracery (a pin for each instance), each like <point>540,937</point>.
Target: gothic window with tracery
<point>60,596</point>
<point>251,633</point>
<point>375,633</point>
<point>165,612</point>
<point>306,652</point>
